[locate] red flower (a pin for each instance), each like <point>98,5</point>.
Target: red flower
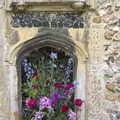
<point>57,85</point>
<point>64,108</point>
<point>31,103</point>
<point>69,86</point>
<point>78,102</point>
<point>36,86</point>
<point>35,76</point>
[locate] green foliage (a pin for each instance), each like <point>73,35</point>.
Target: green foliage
<point>50,70</point>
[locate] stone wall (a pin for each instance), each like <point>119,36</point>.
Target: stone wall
<point>95,83</point>
<point>4,94</point>
<point>110,14</point>
<point>103,75</point>
<point>100,38</point>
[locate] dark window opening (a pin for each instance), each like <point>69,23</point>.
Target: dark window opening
<point>48,85</point>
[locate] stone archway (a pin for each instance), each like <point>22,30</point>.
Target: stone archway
<point>52,39</point>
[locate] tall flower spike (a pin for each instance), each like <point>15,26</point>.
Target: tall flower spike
<point>39,115</point>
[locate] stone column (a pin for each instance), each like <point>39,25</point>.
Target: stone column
<point>80,90</point>
<point>13,77</point>
<point>4,101</point>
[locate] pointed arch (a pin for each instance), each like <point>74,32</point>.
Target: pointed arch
<point>54,39</point>
<point>45,39</point>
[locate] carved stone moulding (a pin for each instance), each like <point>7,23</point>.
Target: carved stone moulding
<point>41,1</point>
<point>65,5</point>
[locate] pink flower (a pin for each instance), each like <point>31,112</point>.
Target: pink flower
<point>57,85</point>
<point>69,86</point>
<point>64,108</point>
<point>31,103</point>
<point>78,102</point>
<point>45,103</point>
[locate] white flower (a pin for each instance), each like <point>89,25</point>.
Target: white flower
<point>53,55</point>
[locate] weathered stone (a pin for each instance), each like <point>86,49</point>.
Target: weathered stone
<point>13,38</point>
<point>113,97</point>
<point>117,78</point>
<point>48,19</point>
<point>1,3</point>
<point>97,19</point>
<point>102,67</point>
<point>116,37</point>
<point>108,4</point>
<point>4,118</point>
<point>108,73</point>
<point>115,29</point>
<point>117,5</point>
<point>114,115</point>
<point>78,5</point>
<point>108,35</point>
<point>102,12</point>
<point>109,16</point>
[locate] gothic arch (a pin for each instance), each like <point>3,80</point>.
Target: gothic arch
<point>48,38</point>
<point>51,39</point>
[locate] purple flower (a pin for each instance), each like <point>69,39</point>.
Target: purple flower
<point>55,97</point>
<point>71,115</point>
<point>53,55</point>
<point>45,103</point>
<point>66,92</point>
<point>39,115</point>
<point>67,74</point>
<point>27,68</point>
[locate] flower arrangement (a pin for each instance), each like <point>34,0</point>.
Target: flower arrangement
<point>48,92</point>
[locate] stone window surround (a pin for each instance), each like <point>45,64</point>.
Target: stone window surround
<point>50,39</point>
